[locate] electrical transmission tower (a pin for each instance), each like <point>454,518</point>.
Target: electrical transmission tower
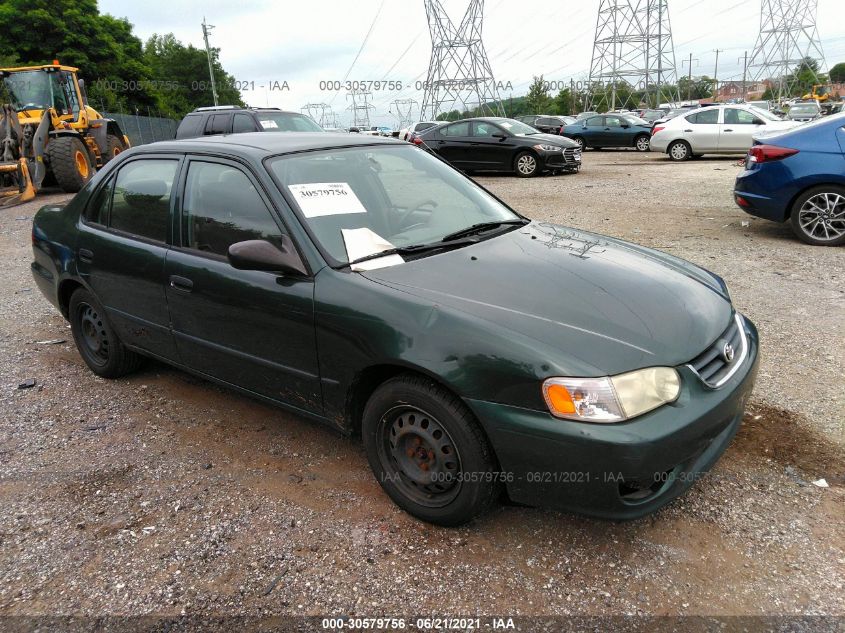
<point>633,52</point>
<point>459,73</point>
<point>404,111</point>
<point>360,107</point>
<point>788,35</point>
<point>320,112</point>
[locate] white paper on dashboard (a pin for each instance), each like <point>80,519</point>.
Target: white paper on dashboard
<point>362,242</point>
<point>269,124</point>
<point>317,199</point>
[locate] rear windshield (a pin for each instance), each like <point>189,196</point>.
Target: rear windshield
<point>286,122</point>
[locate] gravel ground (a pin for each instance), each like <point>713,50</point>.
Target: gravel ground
<point>163,494</point>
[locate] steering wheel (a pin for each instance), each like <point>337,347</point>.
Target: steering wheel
<point>407,214</point>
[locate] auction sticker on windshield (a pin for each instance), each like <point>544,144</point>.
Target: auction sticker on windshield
<point>269,124</point>
<point>317,199</point>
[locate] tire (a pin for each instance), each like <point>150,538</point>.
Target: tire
<point>642,143</point>
<point>679,151</point>
<point>96,340</point>
<point>422,443</point>
<point>580,141</point>
<point>526,165</point>
<point>69,162</point>
<point>817,216</point>
<point>114,145</point>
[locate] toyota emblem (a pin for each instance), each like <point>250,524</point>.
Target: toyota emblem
<point>728,352</point>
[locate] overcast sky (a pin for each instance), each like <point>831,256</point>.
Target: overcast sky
<point>290,47</point>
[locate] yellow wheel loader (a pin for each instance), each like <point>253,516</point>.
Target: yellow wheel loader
<point>48,132</point>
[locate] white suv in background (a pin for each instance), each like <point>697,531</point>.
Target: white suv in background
<point>723,129</point>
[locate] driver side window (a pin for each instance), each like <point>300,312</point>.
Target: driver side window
<point>485,129</point>
<point>739,117</point>
<point>222,207</point>
<point>612,121</point>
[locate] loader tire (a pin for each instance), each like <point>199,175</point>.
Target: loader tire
<point>69,162</point>
<point>114,147</point>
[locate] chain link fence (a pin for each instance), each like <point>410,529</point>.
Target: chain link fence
<point>144,129</point>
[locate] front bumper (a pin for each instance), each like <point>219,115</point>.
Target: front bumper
<point>569,158</point>
<point>625,470</point>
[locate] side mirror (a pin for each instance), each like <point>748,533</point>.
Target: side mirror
<point>262,255</point>
<point>84,92</point>
<point>625,126</point>
<point>500,136</point>
<point>759,122</point>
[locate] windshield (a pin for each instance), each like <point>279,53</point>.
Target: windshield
<point>764,114</point>
<point>635,120</point>
<point>287,122</point>
<point>33,90</point>
<point>804,108</point>
<point>517,127</point>
<point>395,196</point>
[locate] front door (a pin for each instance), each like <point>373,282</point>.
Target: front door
<point>736,131</point>
<point>487,151</point>
<point>614,134</point>
<point>252,329</point>
<point>121,251</point>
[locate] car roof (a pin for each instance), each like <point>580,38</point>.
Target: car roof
<point>261,144</point>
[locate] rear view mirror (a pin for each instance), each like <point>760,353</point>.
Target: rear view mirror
<point>262,255</point>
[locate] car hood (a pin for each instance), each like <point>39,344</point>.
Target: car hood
<point>552,139</point>
<point>591,304</point>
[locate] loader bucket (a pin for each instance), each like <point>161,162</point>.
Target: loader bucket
<point>15,180</point>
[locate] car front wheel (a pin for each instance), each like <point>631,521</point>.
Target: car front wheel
<point>642,143</point>
<point>818,216</point>
<point>96,340</point>
<point>580,142</point>
<point>526,165</point>
<point>428,452</point>
<point>680,150</point>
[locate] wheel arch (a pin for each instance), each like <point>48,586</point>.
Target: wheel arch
<point>66,288</point>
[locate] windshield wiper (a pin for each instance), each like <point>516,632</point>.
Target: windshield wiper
<point>480,227</point>
<point>412,249</point>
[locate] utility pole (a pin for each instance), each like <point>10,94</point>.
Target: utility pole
<point>205,29</point>
<point>744,59</point>
<point>716,74</point>
<point>689,78</point>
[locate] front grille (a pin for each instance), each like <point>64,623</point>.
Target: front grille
<point>717,364</point>
<point>572,155</point>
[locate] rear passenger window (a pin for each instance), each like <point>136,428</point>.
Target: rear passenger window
<point>704,117</point>
<point>221,208</point>
<point>456,129</point>
<point>141,202</point>
<point>218,124</point>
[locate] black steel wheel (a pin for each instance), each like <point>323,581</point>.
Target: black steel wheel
<point>96,340</point>
<point>428,451</point>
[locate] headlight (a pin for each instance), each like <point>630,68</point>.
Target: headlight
<point>548,148</point>
<point>614,398</point>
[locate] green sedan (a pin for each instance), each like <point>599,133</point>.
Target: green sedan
<point>366,284</point>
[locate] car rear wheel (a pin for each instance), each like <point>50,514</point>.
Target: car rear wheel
<point>526,165</point>
<point>818,216</point>
<point>680,150</point>
<point>642,143</point>
<point>428,452</point>
<point>96,340</point>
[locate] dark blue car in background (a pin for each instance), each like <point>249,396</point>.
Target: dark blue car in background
<point>799,175</point>
<point>610,130</point>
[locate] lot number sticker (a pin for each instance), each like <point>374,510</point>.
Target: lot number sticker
<point>317,199</point>
<point>269,124</point>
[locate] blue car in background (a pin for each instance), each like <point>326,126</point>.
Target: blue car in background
<point>799,175</point>
<point>610,130</point>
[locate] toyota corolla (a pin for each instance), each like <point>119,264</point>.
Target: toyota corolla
<point>366,284</point>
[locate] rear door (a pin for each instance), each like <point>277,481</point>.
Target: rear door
<point>252,329</point>
<point>453,143</point>
<point>592,129</point>
<point>701,130</point>
<point>738,128</point>
<point>123,243</point>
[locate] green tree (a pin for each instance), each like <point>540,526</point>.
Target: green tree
<point>699,88</point>
<point>537,100</point>
<point>837,73</point>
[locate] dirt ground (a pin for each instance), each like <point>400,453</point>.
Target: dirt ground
<point>163,494</point>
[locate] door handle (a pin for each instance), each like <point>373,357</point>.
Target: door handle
<point>727,130</point>
<point>86,256</point>
<point>181,283</point>
<point>687,130</point>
